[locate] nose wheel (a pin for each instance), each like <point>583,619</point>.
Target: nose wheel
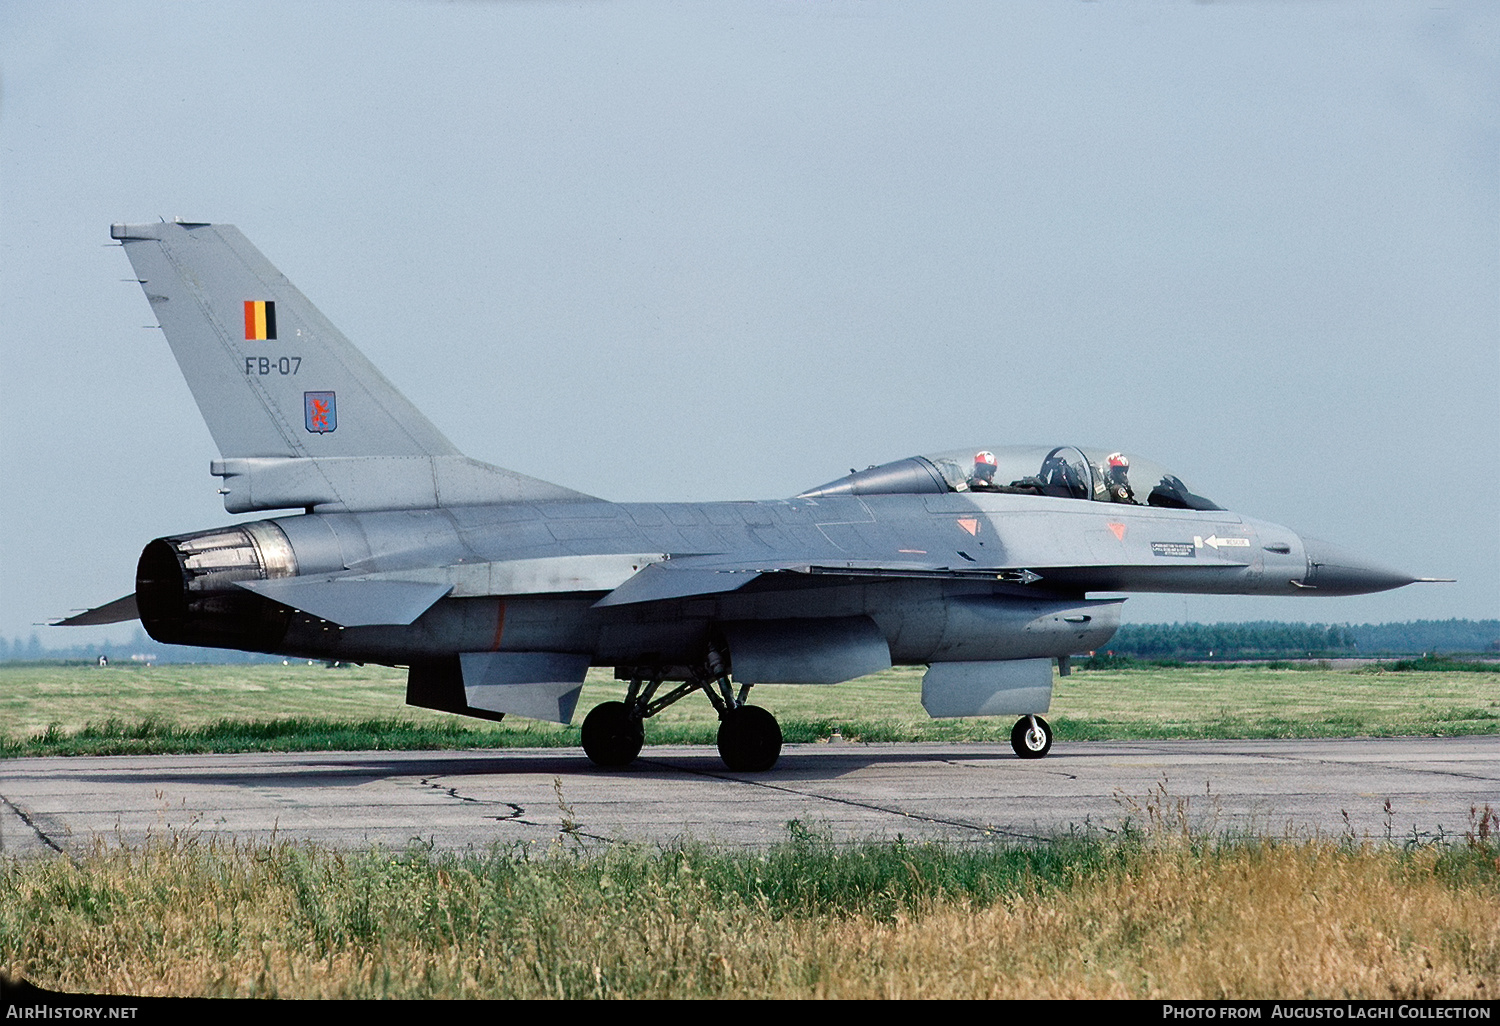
<point>1031,737</point>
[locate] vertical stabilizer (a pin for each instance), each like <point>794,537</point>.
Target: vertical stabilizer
<point>301,418</point>
<point>271,375</point>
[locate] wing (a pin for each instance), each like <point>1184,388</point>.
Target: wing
<point>685,577</point>
<point>690,576</point>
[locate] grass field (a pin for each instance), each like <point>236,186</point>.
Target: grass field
<point>119,709</point>
<point>1147,915</point>
<point>1163,916</point>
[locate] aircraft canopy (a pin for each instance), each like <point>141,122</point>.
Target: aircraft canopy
<point>1063,471</point>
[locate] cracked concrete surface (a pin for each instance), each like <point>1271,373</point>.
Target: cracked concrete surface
<point>957,792</point>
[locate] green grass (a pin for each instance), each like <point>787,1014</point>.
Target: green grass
<point>79,710</point>
<point>1431,664</point>
<point>1148,915</point>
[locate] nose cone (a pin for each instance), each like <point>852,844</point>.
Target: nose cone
<point>1333,571</point>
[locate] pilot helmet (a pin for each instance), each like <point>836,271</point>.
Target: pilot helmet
<point>984,465</point>
<point>1118,463</point>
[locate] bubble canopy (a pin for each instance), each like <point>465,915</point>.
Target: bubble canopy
<point>1089,474</point>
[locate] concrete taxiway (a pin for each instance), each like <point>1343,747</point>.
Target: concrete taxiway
<point>1389,788</point>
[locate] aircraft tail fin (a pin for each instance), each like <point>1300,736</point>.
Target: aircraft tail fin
<point>290,402</point>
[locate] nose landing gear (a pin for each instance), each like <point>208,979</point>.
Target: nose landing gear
<point>1031,737</point>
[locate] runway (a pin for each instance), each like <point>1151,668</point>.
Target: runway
<point>1390,788</point>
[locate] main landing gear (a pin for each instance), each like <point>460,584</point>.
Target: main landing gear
<point>749,736</point>
<point>749,739</point>
<point>612,736</point>
<point>1031,737</point>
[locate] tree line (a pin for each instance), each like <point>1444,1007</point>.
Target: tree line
<point>1261,639</point>
<point>1276,639</point>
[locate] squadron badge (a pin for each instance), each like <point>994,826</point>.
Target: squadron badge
<point>322,413</point>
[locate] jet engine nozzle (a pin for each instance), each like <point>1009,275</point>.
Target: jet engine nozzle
<point>185,587</point>
<point>1334,571</point>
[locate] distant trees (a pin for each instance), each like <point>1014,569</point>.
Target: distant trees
<point>1420,636</point>
<point>1262,639</point>
<point>1267,639</point>
<point>32,650</point>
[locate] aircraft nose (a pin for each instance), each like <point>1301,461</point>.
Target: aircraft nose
<point>1335,571</point>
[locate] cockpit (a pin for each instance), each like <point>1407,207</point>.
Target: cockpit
<point>1063,471</point>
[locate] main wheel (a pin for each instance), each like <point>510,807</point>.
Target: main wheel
<point>749,739</point>
<point>611,736</point>
<point>1031,742</point>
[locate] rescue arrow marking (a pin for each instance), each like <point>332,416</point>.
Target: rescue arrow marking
<point>1216,542</point>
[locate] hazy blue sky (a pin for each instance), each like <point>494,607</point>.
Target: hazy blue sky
<point>684,251</point>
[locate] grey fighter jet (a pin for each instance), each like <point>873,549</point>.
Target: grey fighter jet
<point>498,591</point>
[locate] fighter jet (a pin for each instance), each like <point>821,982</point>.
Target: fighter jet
<point>499,591</point>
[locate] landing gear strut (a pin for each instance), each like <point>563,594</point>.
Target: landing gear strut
<point>749,736</point>
<point>1031,737</point>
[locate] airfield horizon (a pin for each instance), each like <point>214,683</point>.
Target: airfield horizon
<point>196,708</point>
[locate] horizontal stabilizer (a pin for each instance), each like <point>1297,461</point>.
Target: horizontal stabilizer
<point>351,603</point>
<point>118,611</point>
<point>538,685</point>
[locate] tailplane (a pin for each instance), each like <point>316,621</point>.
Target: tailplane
<point>300,416</point>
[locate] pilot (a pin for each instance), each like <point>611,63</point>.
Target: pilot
<point>1116,482</point>
<point>983,478</point>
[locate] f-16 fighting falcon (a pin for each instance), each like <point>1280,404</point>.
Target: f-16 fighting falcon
<point>498,591</point>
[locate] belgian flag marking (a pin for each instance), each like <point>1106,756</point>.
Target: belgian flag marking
<point>260,320</point>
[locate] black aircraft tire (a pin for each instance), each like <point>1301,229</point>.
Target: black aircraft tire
<point>611,737</point>
<point>1026,743</point>
<point>749,739</point>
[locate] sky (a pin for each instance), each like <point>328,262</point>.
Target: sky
<point>728,250</point>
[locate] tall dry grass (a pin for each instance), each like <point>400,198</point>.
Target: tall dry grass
<point>1287,921</point>
<point>1160,916</point>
